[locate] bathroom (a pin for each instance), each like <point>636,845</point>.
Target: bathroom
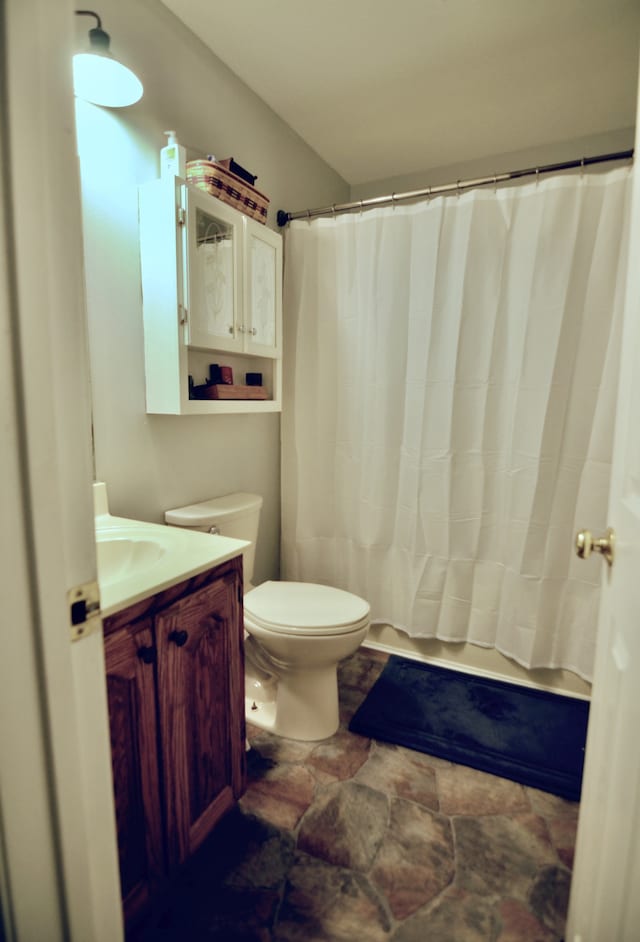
<point>150,462</point>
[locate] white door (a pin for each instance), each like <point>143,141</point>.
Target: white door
<point>605,896</point>
<point>58,854</point>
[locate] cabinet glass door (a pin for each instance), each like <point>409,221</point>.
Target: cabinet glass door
<point>212,276</point>
<point>263,289</point>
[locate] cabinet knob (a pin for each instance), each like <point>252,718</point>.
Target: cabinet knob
<point>213,622</point>
<point>179,638</point>
<point>147,655</point>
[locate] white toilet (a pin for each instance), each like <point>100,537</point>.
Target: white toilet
<point>296,633</point>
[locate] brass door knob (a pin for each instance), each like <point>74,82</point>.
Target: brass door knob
<point>586,544</point>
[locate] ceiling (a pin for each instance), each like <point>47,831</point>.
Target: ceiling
<point>382,88</point>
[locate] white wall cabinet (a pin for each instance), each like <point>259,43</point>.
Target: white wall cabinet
<point>212,293</point>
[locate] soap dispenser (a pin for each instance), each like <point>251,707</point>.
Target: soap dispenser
<point>172,158</point>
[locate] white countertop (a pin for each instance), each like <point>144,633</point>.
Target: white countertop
<point>138,559</point>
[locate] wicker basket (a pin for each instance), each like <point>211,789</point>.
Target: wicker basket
<point>229,188</point>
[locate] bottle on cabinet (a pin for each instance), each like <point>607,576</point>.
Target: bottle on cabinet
<point>173,161</point>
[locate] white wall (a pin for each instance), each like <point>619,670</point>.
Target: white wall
<point>487,165</point>
<point>151,463</point>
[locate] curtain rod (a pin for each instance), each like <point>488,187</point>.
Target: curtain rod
<point>284,217</point>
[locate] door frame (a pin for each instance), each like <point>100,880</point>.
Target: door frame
<point>55,881</point>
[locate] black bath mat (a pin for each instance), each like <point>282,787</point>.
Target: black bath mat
<point>530,736</point>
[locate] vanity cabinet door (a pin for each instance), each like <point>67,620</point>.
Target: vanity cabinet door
<point>201,707</point>
<point>130,661</point>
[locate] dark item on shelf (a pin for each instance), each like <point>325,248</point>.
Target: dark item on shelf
<point>214,374</point>
<point>226,375</point>
<point>239,171</point>
<point>253,379</point>
<point>225,391</point>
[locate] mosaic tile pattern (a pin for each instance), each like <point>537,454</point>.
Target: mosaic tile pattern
<point>352,839</point>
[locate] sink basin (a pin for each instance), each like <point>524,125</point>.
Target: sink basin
<point>137,559</point>
<point>121,557</point>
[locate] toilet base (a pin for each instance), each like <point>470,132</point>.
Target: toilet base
<point>259,713</point>
<point>305,706</point>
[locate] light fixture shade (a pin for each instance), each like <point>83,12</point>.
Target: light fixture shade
<point>98,77</point>
<point>102,80</point>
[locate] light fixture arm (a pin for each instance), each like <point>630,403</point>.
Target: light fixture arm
<point>90,13</point>
<point>98,38</point>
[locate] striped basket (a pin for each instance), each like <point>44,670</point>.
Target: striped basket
<point>229,188</point>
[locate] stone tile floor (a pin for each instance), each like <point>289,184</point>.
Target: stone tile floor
<point>352,840</point>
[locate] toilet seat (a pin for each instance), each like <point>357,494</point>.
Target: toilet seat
<point>296,608</point>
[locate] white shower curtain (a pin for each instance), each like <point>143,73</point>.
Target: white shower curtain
<point>449,403</point>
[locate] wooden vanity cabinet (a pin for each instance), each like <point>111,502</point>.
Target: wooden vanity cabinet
<point>175,685</point>
<point>201,706</point>
<point>134,760</point>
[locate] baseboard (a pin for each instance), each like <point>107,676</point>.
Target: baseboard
<point>472,659</point>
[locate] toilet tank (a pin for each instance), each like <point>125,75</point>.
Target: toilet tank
<point>235,515</point>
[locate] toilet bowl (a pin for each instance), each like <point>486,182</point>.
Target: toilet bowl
<point>296,633</point>
<point>302,630</point>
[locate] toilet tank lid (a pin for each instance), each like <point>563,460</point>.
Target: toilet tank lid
<point>213,511</point>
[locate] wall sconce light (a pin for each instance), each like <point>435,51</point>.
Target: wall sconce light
<point>98,77</point>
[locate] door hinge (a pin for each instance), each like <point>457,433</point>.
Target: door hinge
<point>84,610</point>
<point>182,216</point>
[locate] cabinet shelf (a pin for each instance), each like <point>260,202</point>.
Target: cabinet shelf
<point>212,293</point>
<point>229,406</point>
